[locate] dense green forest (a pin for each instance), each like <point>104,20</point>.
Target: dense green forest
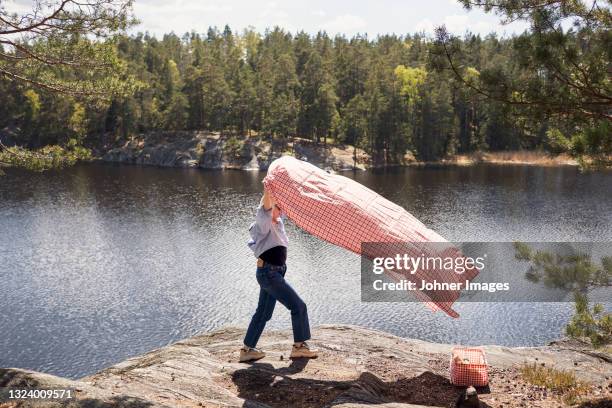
<point>388,95</point>
<point>379,94</point>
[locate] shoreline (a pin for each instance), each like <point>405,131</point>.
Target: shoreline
<point>505,158</point>
<point>358,366</point>
<point>214,151</point>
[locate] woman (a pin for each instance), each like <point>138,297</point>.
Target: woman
<point>269,243</point>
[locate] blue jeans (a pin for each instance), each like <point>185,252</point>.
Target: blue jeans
<point>273,287</point>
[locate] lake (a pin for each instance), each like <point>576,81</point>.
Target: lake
<point>102,262</point>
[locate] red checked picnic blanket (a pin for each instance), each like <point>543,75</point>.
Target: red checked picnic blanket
<point>346,213</point>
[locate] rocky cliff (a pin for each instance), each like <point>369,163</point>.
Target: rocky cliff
<point>213,151</point>
<point>358,367</point>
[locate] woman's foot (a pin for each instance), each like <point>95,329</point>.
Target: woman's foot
<point>250,354</point>
<point>302,350</point>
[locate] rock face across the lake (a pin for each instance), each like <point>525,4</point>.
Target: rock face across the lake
<point>357,367</point>
<point>213,151</point>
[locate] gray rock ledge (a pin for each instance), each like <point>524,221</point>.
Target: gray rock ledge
<point>357,367</point>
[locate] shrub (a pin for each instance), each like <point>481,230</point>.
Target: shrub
<point>563,383</point>
<point>233,147</point>
<point>592,323</point>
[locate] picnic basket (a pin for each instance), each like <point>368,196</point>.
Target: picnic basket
<point>468,366</point>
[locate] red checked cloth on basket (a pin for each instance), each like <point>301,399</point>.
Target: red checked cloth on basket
<point>346,213</point>
<point>468,366</point>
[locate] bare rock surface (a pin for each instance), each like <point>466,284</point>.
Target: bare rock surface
<point>357,367</point>
<point>214,151</point>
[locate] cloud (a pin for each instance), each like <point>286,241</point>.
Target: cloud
<point>162,17</point>
<point>346,17</point>
<point>178,8</point>
<point>484,27</point>
<point>458,24</point>
<point>424,25</point>
<point>346,24</point>
<point>273,15</point>
<point>271,10</point>
<point>24,6</point>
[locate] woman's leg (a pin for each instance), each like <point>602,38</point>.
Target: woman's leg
<point>265,308</point>
<point>277,287</point>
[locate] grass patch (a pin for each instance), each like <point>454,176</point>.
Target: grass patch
<point>528,156</point>
<point>562,383</point>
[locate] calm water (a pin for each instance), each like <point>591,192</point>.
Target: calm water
<point>101,262</point>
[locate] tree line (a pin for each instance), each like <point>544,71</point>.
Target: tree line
<point>388,95</point>
<point>379,94</point>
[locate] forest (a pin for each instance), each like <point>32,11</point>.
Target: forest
<point>433,96</point>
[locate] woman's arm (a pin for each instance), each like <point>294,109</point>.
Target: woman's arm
<point>263,218</point>
<point>267,201</point>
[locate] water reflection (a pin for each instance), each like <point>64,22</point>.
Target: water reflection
<point>102,262</point>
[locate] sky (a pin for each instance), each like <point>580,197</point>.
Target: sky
<point>336,17</point>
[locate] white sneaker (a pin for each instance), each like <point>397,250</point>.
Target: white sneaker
<point>250,354</point>
<point>303,351</point>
